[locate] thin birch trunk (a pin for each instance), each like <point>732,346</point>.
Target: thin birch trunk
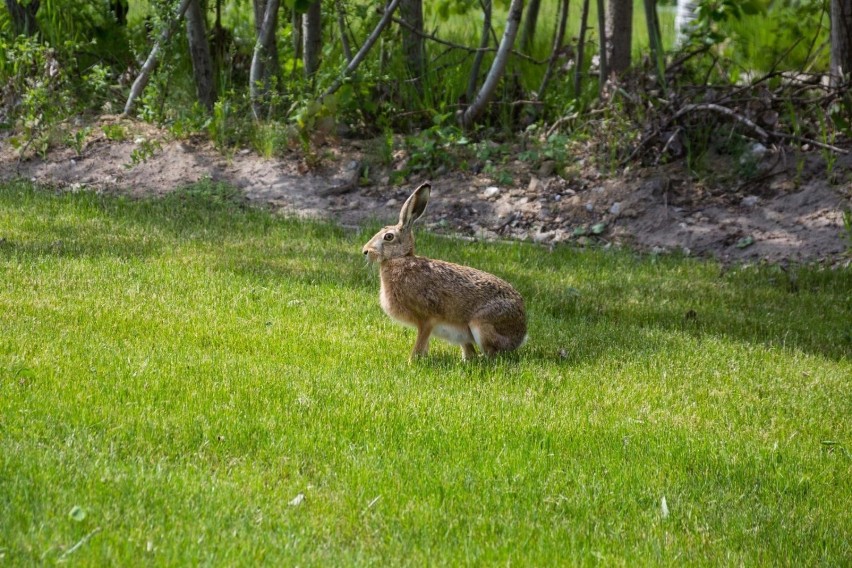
<point>312,37</point>
<point>23,16</point>
<point>653,24</point>
<point>148,67</point>
<point>199,51</point>
<point>529,27</point>
<point>684,16</point>
<point>602,63</point>
<point>257,61</point>
<point>619,33</point>
<point>362,53</point>
<point>413,48</point>
<point>344,37</point>
<point>840,65</point>
<point>483,45</point>
<point>558,38</point>
<point>516,9</point>
<point>581,48</point>
<point>269,64</point>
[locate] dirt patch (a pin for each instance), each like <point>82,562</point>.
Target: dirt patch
<point>791,212</point>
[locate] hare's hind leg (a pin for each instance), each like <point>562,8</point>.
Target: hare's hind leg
<point>486,337</point>
<point>489,340</point>
<point>468,351</point>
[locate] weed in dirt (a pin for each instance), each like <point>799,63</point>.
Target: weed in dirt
<point>191,380</point>
<point>114,132</point>
<point>144,151</point>
<point>77,139</point>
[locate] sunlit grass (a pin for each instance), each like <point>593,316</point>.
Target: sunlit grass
<point>175,373</point>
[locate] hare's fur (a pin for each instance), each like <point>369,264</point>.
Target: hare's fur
<point>457,303</point>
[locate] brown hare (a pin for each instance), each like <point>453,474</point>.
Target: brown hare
<point>462,305</point>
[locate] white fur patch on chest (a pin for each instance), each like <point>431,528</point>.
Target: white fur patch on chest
<point>457,334</point>
<point>387,306</point>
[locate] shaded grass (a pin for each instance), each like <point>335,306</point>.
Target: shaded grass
<point>181,369</point>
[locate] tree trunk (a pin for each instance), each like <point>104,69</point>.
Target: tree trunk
<point>413,49</point>
<point>483,45</point>
<point>558,38</point>
<point>261,54</point>
<point>344,34</point>
<point>498,66</point>
<point>841,42</point>
<point>269,66</point>
<point>24,16</point>
<point>119,10</point>
<point>684,16</point>
<point>619,34</point>
<point>148,67</point>
<point>581,47</point>
<point>199,52</point>
<point>652,22</point>
<point>603,68</point>
<point>312,37</point>
<point>530,22</point>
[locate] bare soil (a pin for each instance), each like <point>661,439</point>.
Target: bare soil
<point>789,212</point>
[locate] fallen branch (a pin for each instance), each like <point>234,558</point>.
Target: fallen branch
<point>804,140</point>
<point>763,134</point>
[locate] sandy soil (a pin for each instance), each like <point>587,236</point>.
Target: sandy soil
<point>657,209</point>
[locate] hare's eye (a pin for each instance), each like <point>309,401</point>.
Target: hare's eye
<point>388,236</point>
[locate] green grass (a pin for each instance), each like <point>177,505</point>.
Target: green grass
<point>181,369</point>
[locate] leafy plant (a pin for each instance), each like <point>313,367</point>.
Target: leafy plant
<point>77,139</point>
<point>144,151</point>
<point>114,132</point>
<point>271,138</point>
<point>828,136</point>
<point>37,90</point>
<point>436,147</point>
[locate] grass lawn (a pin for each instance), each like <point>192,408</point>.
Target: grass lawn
<point>190,381</point>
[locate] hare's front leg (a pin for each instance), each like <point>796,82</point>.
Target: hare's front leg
<point>421,344</point>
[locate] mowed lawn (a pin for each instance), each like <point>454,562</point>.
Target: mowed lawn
<point>190,381</point>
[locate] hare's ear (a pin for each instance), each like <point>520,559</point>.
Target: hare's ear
<point>415,205</point>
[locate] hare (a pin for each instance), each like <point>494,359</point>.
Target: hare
<point>460,304</point>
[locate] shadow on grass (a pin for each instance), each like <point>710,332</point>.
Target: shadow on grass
<point>75,246</point>
<point>756,305</point>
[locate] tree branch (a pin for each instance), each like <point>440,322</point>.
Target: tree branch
<point>763,134</point>
<point>497,66</point>
<point>436,39</point>
<point>558,38</point>
<point>362,53</point>
<point>473,79</point>
<point>148,67</point>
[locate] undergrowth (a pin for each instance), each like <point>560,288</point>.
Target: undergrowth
<point>56,76</point>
